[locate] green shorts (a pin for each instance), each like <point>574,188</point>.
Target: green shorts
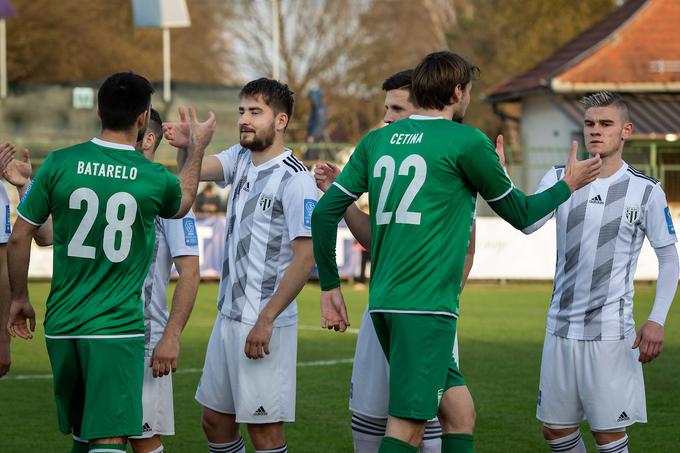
<point>419,349</point>
<point>98,385</point>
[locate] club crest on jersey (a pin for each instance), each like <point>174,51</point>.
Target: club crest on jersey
<point>632,213</point>
<point>265,202</point>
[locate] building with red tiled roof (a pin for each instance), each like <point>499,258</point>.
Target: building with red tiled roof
<point>635,51</point>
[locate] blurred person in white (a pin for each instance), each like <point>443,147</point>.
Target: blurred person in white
<point>591,368</point>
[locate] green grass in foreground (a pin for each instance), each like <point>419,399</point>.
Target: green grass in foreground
<point>501,336</point>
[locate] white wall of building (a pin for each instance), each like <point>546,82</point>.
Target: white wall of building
<point>546,135</point>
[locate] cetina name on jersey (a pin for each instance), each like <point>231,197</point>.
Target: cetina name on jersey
<point>422,175</point>
<point>174,238</point>
<point>600,231</point>
<point>269,205</point>
<point>103,224</point>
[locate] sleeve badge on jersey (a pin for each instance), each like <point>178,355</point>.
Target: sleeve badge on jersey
<point>190,236</point>
<point>669,221</point>
<point>309,207</point>
<point>8,228</point>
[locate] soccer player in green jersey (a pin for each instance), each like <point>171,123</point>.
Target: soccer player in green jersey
<point>104,197</point>
<point>422,175</point>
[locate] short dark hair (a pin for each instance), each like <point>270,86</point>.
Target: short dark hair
<point>399,81</point>
<point>121,98</point>
<point>275,94</point>
<point>606,99</point>
<point>155,126</point>
<point>436,76</point>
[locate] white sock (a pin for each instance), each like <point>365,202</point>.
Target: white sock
<point>432,439</point>
<point>283,449</point>
<point>367,433</point>
<point>618,446</point>
<point>160,449</point>
<point>236,446</point>
<point>572,443</point>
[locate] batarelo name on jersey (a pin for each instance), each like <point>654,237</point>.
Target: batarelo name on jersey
<point>107,170</point>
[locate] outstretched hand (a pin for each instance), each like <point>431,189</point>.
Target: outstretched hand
<point>333,311</point>
<point>200,133</point>
<point>581,172</point>
<point>325,174</point>
<point>177,133</point>
<point>499,150</point>
<point>7,151</point>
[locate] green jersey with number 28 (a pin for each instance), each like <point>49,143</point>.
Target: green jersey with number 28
<point>422,175</point>
<point>103,198</point>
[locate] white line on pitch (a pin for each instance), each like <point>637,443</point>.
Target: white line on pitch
<point>313,363</point>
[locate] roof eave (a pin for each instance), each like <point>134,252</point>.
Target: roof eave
<point>561,86</point>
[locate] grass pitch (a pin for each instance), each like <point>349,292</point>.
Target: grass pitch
<point>501,335</point>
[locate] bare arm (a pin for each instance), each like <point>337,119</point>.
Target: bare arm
<point>5,300</point>
<point>166,353</point>
<point>18,258</point>
<point>294,279</point>
<point>200,135</point>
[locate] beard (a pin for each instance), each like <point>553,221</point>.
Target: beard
<point>259,141</point>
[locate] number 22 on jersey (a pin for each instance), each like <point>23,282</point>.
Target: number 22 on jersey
<point>114,224</point>
<point>403,215</point>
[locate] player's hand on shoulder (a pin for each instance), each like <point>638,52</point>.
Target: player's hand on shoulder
<point>257,342</point>
<point>333,311</point>
<point>164,357</point>
<point>581,172</point>
<point>325,174</point>
<point>21,311</point>
<point>200,133</point>
<point>650,341</point>
<point>5,357</point>
<point>177,133</point>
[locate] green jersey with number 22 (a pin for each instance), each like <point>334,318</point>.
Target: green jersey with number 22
<point>422,175</point>
<point>103,198</point>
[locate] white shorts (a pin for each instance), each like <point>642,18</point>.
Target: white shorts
<point>157,405</point>
<point>369,388</point>
<point>597,381</point>
<point>256,391</point>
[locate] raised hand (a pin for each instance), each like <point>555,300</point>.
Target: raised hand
<point>581,172</point>
<point>333,311</point>
<point>7,151</point>
<point>20,312</point>
<point>177,133</point>
<point>325,174</point>
<point>18,172</point>
<point>650,341</point>
<point>200,133</point>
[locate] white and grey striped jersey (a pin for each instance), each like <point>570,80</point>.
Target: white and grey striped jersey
<point>269,206</point>
<point>5,228</point>
<point>600,231</point>
<point>174,238</point>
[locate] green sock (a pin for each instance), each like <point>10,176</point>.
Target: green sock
<point>107,448</point>
<point>457,443</point>
<point>392,445</point>
<point>79,446</point>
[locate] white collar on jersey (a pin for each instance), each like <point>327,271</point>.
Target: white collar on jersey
<point>424,117</point>
<point>274,160</point>
<point>105,144</point>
